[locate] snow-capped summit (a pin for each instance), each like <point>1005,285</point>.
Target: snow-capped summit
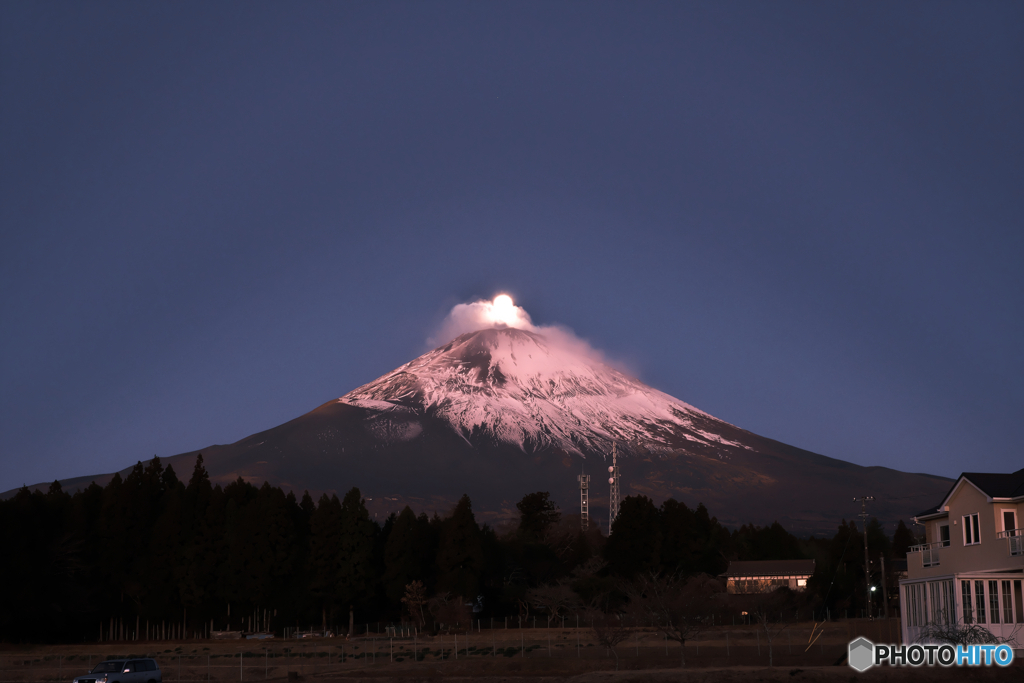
<point>523,388</point>
<point>504,411</point>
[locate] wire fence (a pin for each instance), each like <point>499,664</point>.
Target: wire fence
<point>567,649</point>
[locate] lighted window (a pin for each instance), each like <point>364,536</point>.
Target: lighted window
<point>801,582</point>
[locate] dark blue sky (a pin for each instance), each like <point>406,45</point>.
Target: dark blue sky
<point>804,218</point>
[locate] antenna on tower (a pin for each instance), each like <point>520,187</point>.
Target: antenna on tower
<point>613,499</point>
<point>584,480</point>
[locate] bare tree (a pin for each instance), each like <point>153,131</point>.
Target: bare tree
<point>959,633</point>
<point>556,600</point>
<point>609,630</point>
<point>414,600</point>
<point>682,609</point>
<point>769,611</point>
<point>449,610</point>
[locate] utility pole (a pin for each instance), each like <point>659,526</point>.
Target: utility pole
<point>613,499</point>
<point>867,563</point>
<point>584,480</point>
<point>885,592</point>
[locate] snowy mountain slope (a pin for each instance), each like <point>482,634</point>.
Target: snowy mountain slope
<point>501,412</point>
<point>520,388</point>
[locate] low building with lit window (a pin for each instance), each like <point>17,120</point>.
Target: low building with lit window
<point>970,569</point>
<point>764,576</point>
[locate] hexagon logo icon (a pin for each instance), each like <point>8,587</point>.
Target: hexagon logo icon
<point>862,654</point>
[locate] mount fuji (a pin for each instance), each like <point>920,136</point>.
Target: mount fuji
<point>514,387</point>
<point>501,412</point>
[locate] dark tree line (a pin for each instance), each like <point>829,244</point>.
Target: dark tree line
<point>150,548</point>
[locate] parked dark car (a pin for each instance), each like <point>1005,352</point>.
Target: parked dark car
<point>123,671</point>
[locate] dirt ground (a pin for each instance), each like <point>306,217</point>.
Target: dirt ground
<point>801,652</point>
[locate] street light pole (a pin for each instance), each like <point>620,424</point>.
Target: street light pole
<point>867,563</point>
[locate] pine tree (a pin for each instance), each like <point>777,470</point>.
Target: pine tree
<point>324,542</point>
<point>165,561</point>
<point>537,514</point>
<point>460,552</point>
<point>355,551</point>
<point>902,539</point>
<point>236,576</point>
<point>679,538</point>
<point>403,556</point>
<point>634,545</point>
<point>204,554</point>
<point>200,479</point>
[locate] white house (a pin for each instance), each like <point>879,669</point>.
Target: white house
<point>970,569</point>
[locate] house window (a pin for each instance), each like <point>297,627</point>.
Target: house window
<point>944,535</point>
<point>972,534</point>
<point>949,601</point>
<point>1009,520</point>
<point>965,593</point>
<point>993,601</point>
<point>979,595</point>
<point>917,609</point>
<point>933,599</point>
<point>941,600</point>
<point>1007,603</point>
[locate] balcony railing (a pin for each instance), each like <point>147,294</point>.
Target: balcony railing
<point>1014,539</point>
<point>929,553</point>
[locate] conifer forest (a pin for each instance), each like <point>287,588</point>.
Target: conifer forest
<point>151,552</point>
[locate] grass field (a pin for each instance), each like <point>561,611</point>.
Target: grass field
<point>730,653</point>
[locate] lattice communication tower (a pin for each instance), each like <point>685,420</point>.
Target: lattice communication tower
<point>614,499</point>
<point>584,480</point>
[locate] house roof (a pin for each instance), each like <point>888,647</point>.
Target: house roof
<point>937,510</point>
<point>770,568</point>
<point>993,485</point>
<point>998,485</point>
